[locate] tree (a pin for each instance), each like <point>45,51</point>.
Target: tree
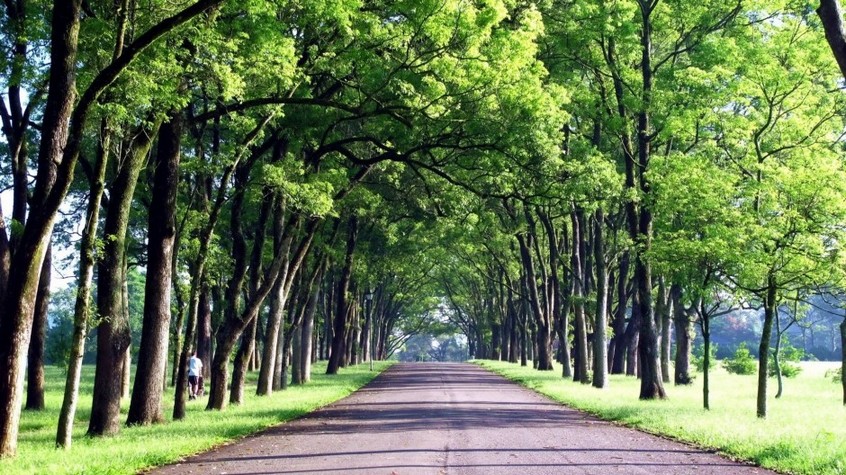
<point>61,135</point>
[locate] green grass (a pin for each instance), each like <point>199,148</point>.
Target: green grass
<point>804,433</point>
<point>137,448</point>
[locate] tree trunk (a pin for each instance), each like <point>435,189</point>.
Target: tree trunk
<point>706,365</point>
<point>61,137</point>
<point>580,367</point>
<point>560,301</point>
<point>684,337</point>
<point>126,372</point>
<point>307,338</point>
<point>277,350</point>
<point>770,309</point>
<point>542,358</point>
<point>600,348</point>
<point>651,384</point>
<point>5,254</point>
<point>242,360</point>
<point>632,338</point>
<point>113,333</point>
<point>618,341</point>
<point>17,305</point>
<point>232,328</point>
<point>274,323</point>
<point>832,20</point>
<point>663,310</point>
<point>776,357</point>
<point>524,341</point>
<point>340,327</point>
<point>296,357</point>
<point>82,306</point>
<point>145,407</point>
<point>35,357</point>
<point>843,358</point>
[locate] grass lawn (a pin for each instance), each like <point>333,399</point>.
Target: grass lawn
<point>136,448</point>
<point>805,432</point>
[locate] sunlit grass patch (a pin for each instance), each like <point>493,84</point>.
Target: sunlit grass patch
<point>804,433</point>
<point>137,448</point>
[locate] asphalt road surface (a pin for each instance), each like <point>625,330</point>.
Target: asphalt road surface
<point>449,418</point>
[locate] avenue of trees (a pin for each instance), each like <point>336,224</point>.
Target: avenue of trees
<point>579,183</point>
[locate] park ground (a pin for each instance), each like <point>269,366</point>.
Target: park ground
<point>138,448</point>
<point>804,432</point>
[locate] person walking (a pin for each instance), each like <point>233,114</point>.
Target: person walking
<point>195,369</point>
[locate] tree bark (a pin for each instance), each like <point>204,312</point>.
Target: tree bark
<point>247,348</point>
<point>706,366</point>
<point>145,407</point>
<point>113,333</point>
<point>232,328</point>
<point>125,372</point>
<point>600,348</point>
<point>204,330</point>
<point>307,337</point>
<point>340,326</point>
<point>663,310</point>
<point>770,309</point>
<point>18,302</point>
<point>296,357</point>
<point>61,137</point>
<point>632,337</point>
<point>242,360</point>
<point>271,338</point>
<point>580,366</point>
<point>684,337</point>
<point>843,358</point>
<point>542,357</point>
<point>82,304</point>
<point>776,357</point>
<point>5,254</point>
<point>832,19</point>
<point>35,357</point>
<point>560,301</point>
<point>618,341</point>
<point>651,384</point>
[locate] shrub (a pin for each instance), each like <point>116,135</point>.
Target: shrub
<point>788,369</point>
<point>698,359</point>
<point>834,374</point>
<point>742,362</point>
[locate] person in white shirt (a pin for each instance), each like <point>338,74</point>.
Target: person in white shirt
<point>195,369</point>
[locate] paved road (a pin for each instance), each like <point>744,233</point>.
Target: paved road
<point>452,419</point>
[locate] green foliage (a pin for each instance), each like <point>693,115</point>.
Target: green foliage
<point>59,327</point>
<point>836,375</point>
<point>698,356</point>
<point>742,362</point>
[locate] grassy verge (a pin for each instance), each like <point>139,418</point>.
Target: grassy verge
<point>137,448</point>
<point>805,432</point>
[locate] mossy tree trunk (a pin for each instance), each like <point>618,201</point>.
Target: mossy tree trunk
<point>146,404</point>
<point>35,356</point>
<point>113,333</point>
